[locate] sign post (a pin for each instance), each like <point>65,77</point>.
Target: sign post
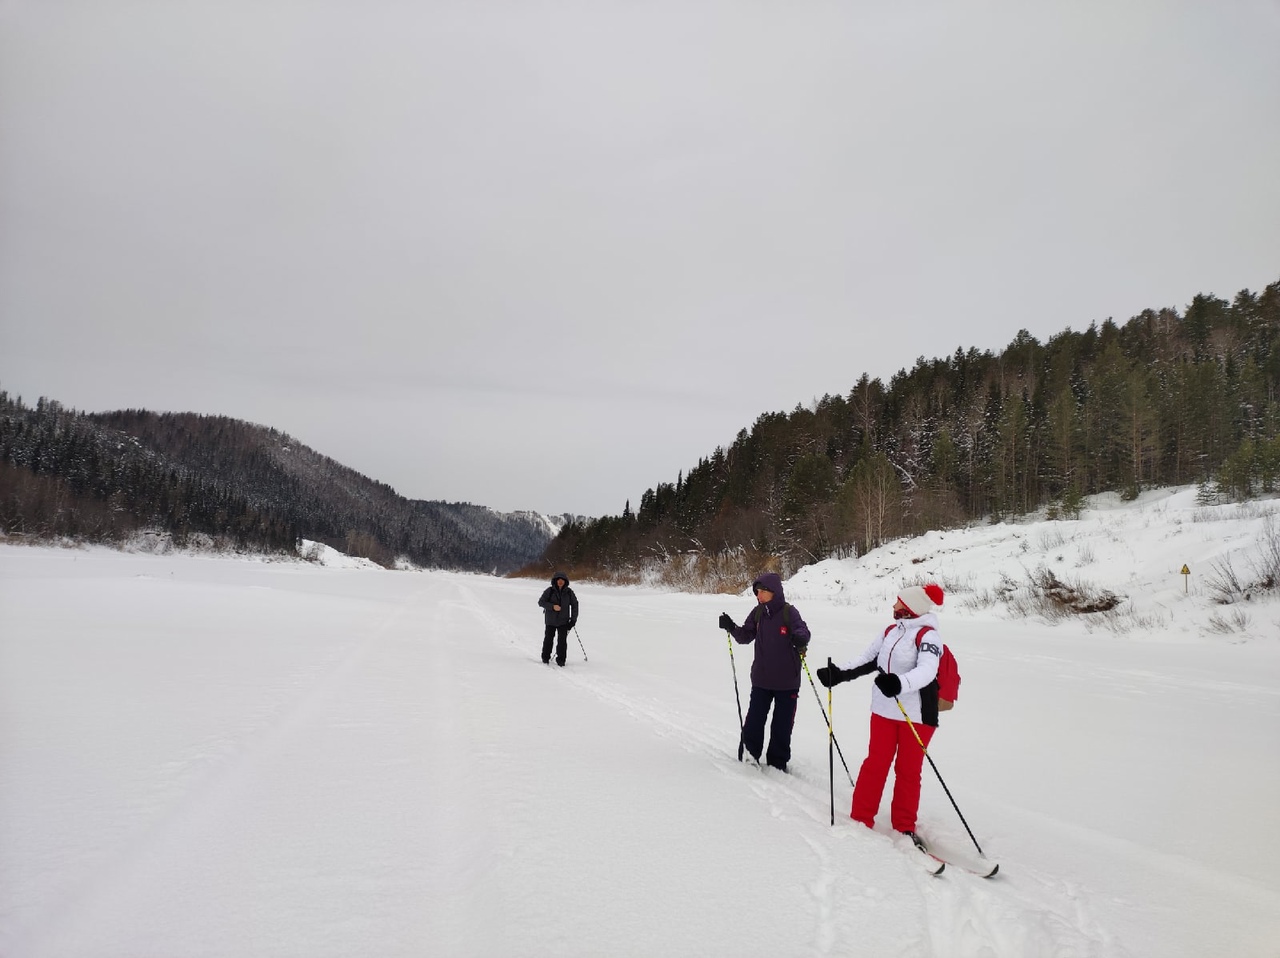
<point>1186,572</point>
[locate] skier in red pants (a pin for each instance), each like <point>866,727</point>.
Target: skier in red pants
<point>907,663</point>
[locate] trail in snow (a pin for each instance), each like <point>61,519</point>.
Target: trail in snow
<point>964,919</point>
<point>206,757</point>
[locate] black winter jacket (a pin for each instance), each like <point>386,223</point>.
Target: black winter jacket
<point>568,602</point>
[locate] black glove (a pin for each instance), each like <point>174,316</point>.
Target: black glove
<point>889,684</point>
<point>572,623</point>
<point>832,675</point>
<point>726,623</point>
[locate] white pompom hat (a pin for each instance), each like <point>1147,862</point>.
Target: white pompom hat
<point>920,599</point>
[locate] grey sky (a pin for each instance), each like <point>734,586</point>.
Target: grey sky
<point>546,254</point>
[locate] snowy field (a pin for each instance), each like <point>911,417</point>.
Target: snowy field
<point>208,756</point>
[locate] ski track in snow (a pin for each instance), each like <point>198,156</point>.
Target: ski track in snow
<point>229,764</point>
<point>1138,682</point>
<point>1017,913</point>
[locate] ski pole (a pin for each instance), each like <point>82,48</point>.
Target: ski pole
<point>736,695</point>
<point>831,731</point>
<point>831,757</point>
<point>579,638</point>
<point>911,725</point>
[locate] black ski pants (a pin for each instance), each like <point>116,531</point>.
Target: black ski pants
<point>562,645</point>
<point>784,719</point>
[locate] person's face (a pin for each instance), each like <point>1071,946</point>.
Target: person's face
<point>560,583</point>
<point>764,596</point>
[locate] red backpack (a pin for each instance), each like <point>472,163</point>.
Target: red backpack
<point>948,675</point>
<point>948,680</point>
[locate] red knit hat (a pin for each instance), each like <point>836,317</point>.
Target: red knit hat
<point>920,599</point>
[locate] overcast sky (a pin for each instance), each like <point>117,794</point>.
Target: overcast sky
<point>545,255</point>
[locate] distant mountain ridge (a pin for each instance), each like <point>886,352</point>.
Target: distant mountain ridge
<point>191,473</point>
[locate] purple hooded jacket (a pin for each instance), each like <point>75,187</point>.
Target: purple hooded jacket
<point>777,663</point>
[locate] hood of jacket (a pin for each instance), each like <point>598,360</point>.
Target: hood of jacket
<point>773,582</point>
<point>559,575</point>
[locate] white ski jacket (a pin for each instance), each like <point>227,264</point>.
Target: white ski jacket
<point>895,651</point>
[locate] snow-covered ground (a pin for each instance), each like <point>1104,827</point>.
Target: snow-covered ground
<point>208,756</point>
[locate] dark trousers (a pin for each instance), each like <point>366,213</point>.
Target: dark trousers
<point>562,646</point>
<point>784,720</point>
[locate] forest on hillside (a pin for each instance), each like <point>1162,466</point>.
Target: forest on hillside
<point>104,477</point>
<point>1166,398</point>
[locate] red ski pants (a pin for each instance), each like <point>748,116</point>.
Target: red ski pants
<point>890,736</point>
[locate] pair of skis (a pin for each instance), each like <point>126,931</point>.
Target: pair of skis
<point>935,864</point>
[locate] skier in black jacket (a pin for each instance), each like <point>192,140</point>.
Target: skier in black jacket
<point>560,610</point>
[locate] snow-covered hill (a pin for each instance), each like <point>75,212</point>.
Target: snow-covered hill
<point>1136,551</point>
<point>207,756</point>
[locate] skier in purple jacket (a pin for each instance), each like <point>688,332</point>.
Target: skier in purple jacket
<point>781,638</point>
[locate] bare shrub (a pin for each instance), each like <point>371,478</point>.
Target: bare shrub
<point>1266,565</point>
<point>1211,514</point>
<point>951,585</point>
<point>981,599</point>
<point>1086,556</point>
<point>149,542</point>
<point>1002,593</point>
<point>728,571</point>
<point>1051,539</point>
<point>1227,623</point>
<point>1049,596</point>
<point>1229,586</point>
<point>1253,509</point>
<point>1224,582</point>
<point>1074,598</point>
<point>955,585</point>
<point>1122,622</point>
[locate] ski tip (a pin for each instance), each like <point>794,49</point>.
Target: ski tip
<point>992,874</point>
